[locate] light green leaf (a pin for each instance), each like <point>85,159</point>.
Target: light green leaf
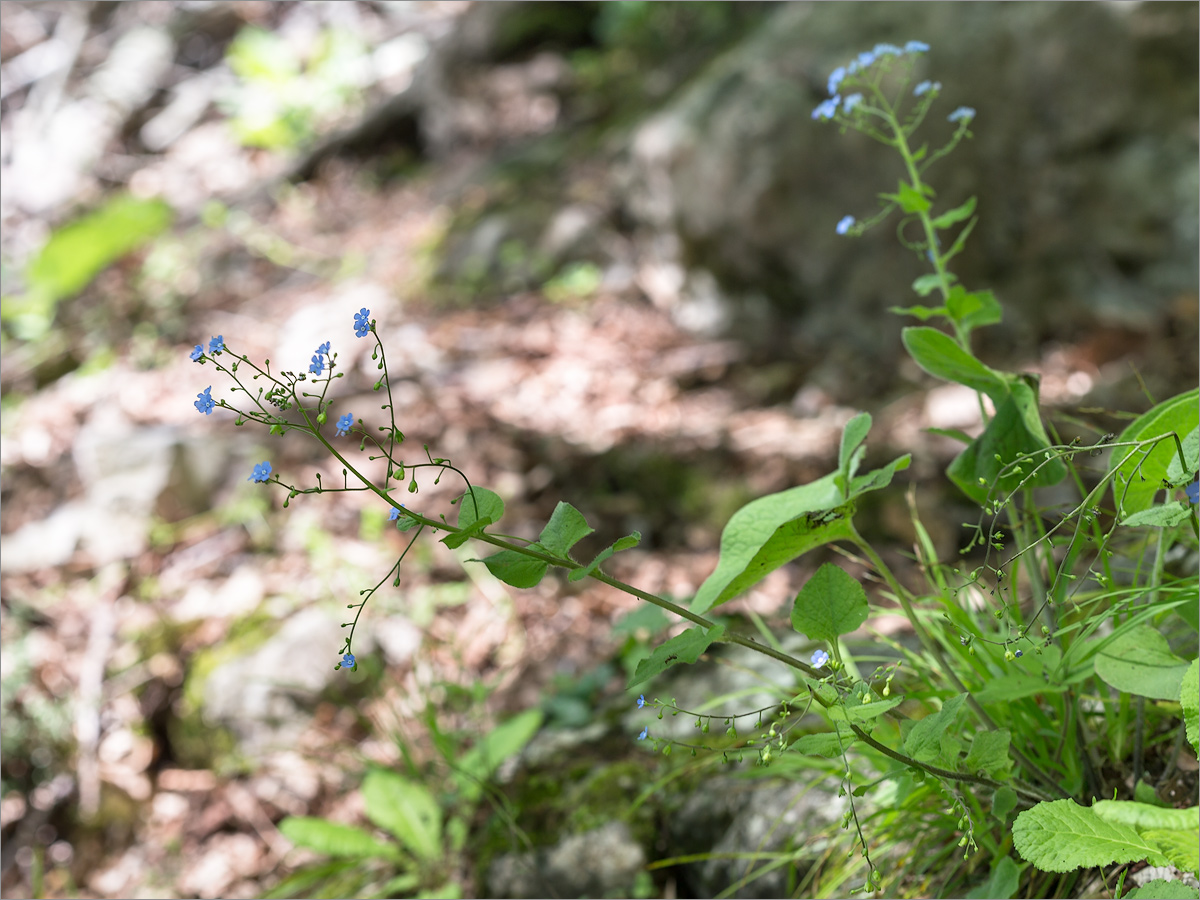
<point>825,744</point>
<point>912,199</point>
<point>566,527</point>
<point>853,435</point>
<point>1140,662</point>
<point>924,313</point>
<point>1181,847</point>
<point>1004,801</point>
<point>1061,836</point>
<point>1148,815</point>
<point>830,604</point>
<point>989,753</point>
<point>854,710</point>
<point>879,478</point>
<point>1161,889</point>
<point>502,742</point>
<point>406,809</point>
<point>958,214</point>
<point>924,741</point>
<point>334,839</point>
<point>1163,515</point>
<point>1189,699</point>
<point>1002,884</point>
<point>1007,688</point>
<point>973,309</point>
<point>938,354</point>
<point>516,569</point>
<point>479,505</point>
<point>1180,414</point>
<point>1176,473</point>
<point>625,543</point>
<point>683,648</point>
<point>924,286</point>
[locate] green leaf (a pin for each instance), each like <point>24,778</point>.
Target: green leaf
<point>830,604</point>
<point>1061,836</point>
<point>479,505</point>
<point>1143,816</point>
<point>306,882</point>
<point>451,890</point>
<point>924,313</point>
<point>1004,801</point>
<point>973,309</point>
<point>857,711</point>
<point>853,435</point>
<point>1140,661</point>
<point>1163,515</point>
<point>768,532</point>
<point>566,527</point>
<point>1180,414</point>
<point>1014,432</point>
<point>924,741</point>
<point>1007,688</point>
<point>683,648</point>
<point>515,568</point>
<point>1177,845</point>
<point>625,543</point>
<point>502,742</point>
<point>1176,473</point>
<point>1161,889</point>
<point>407,809</point>
<point>879,478</point>
<point>1001,884</point>
<point>1189,699</point>
<point>989,753</point>
<point>924,286</point>
<point>938,354</point>
<point>824,744</point>
<point>334,839</point>
<point>911,199</point>
<point>958,214</point>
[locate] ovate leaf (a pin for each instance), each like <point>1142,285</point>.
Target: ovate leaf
<point>989,753</point>
<point>406,809</point>
<point>938,354</point>
<point>1161,889</point>
<point>1140,661</point>
<point>924,741</point>
<point>684,648</point>
<point>566,527</point>
<point>1141,472</point>
<point>1163,515</point>
<point>334,839</point>
<point>479,505</point>
<point>1061,836</point>
<point>830,604</point>
<point>825,744</point>
<point>1179,846</point>
<point>516,569</point>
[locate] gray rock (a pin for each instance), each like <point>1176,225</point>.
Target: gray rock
<point>598,863</point>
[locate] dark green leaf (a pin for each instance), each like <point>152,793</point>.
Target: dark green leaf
<point>515,568</point>
<point>684,648</point>
<point>830,604</point>
<point>924,740</point>
<point>938,354</point>
<point>1180,414</point>
<point>566,527</point>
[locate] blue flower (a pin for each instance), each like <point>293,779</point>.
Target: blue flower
<point>317,366</point>
<point>642,736</point>
<point>963,112</point>
<point>925,87</point>
<point>1019,653</point>
<point>262,471</point>
<point>362,322</point>
<point>916,47</point>
<point>852,101</point>
<point>1193,492</point>
<point>865,59</point>
<point>641,701</point>
<point>827,109</point>
<point>393,515</point>
<point>347,660</point>
<point>197,352</point>
<point>204,402</point>
<point>343,424</point>
<point>845,224</point>
<point>819,658</point>
<point>324,348</point>
<point>217,344</point>
<point>835,78</point>
<point>887,50</point>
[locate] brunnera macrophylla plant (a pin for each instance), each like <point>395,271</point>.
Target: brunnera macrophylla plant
<point>1012,701</point>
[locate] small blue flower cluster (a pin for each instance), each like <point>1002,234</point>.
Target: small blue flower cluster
<point>395,513</point>
<point>819,658</point>
<point>343,425</point>
<point>318,361</point>
<point>641,704</point>
<point>347,660</point>
<point>828,108</point>
<point>262,472</point>
<point>362,322</point>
